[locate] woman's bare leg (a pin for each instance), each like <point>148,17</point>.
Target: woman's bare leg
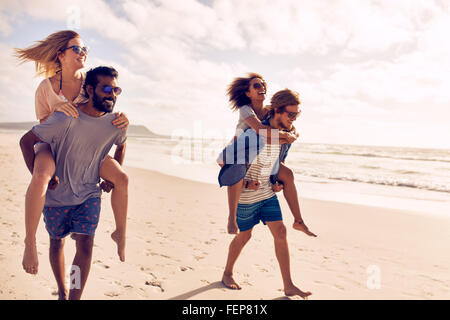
<point>112,171</point>
<point>43,171</point>
<point>286,176</point>
<point>234,193</point>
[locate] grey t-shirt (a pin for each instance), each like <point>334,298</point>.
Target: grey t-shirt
<point>79,146</point>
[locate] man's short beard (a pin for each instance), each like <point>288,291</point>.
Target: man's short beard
<point>282,126</point>
<point>99,104</point>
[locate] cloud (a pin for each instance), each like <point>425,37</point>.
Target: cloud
<point>348,59</point>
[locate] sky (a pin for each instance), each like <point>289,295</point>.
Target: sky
<point>368,72</point>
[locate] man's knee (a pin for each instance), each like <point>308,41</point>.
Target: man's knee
<point>85,244</point>
<point>56,245</point>
<point>245,236</point>
<point>280,232</point>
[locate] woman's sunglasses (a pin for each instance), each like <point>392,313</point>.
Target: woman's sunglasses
<point>258,85</point>
<point>77,49</point>
<point>110,89</point>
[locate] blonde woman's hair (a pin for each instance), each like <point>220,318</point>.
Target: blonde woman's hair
<point>45,52</point>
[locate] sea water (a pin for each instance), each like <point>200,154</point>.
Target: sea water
<point>417,180</point>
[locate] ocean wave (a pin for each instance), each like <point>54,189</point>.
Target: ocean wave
<point>374,155</point>
<point>383,182</point>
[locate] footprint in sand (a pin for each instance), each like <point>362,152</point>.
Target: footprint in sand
<point>100,263</point>
<point>112,294</point>
<point>246,282</point>
<point>155,284</point>
<point>260,268</point>
<point>339,287</point>
<point>185,268</point>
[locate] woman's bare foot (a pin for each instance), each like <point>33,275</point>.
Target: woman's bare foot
<point>294,291</point>
<point>119,238</point>
<point>232,226</point>
<point>301,226</point>
<point>229,282</point>
<point>30,260</point>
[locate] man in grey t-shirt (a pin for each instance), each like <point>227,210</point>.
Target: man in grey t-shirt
<point>79,146</point>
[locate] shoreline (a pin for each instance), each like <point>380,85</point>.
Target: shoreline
<point>177,245</point>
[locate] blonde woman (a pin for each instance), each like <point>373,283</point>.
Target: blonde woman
<point>60,58</point>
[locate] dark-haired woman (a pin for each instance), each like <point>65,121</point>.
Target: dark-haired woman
<point>247,94</point>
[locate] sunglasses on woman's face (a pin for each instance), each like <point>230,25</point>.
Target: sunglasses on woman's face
<point>258,85</point>
<point>110,89</point>
<point>293,115</point>
<point>78,49</point>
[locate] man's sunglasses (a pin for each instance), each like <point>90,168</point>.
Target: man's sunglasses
<point>77,49</point>
<point>293,115</point>
<point>110,89</point>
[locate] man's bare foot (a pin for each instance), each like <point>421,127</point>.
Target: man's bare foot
<point>294,291</point>
<point>301,226</point>
<point>30,260</point>
<point>63,294</point>
<point>119,238</point>
<point>232,226</point>
<point>229,282</point>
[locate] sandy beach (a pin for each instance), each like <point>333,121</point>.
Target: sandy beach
<point>177,246</point>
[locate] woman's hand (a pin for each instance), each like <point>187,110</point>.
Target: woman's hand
<point>288,137</point>
<point>121,121</point>
<point>68,108</point>
<point>277,187</point>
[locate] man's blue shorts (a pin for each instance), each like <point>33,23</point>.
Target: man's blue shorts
<point>249,215</point>
<point>82,218</point>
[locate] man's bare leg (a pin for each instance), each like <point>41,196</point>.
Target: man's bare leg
<point>112,171</point>
<point>235,249</point>
<point>44,168</point>
<point>58,266</point>
<point>290,193</point>
<point>278,231</point>
<point>81,262</point>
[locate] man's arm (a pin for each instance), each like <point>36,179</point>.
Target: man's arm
<point>27,143</point>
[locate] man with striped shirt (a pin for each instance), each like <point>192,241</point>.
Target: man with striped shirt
<point>262,204</point>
